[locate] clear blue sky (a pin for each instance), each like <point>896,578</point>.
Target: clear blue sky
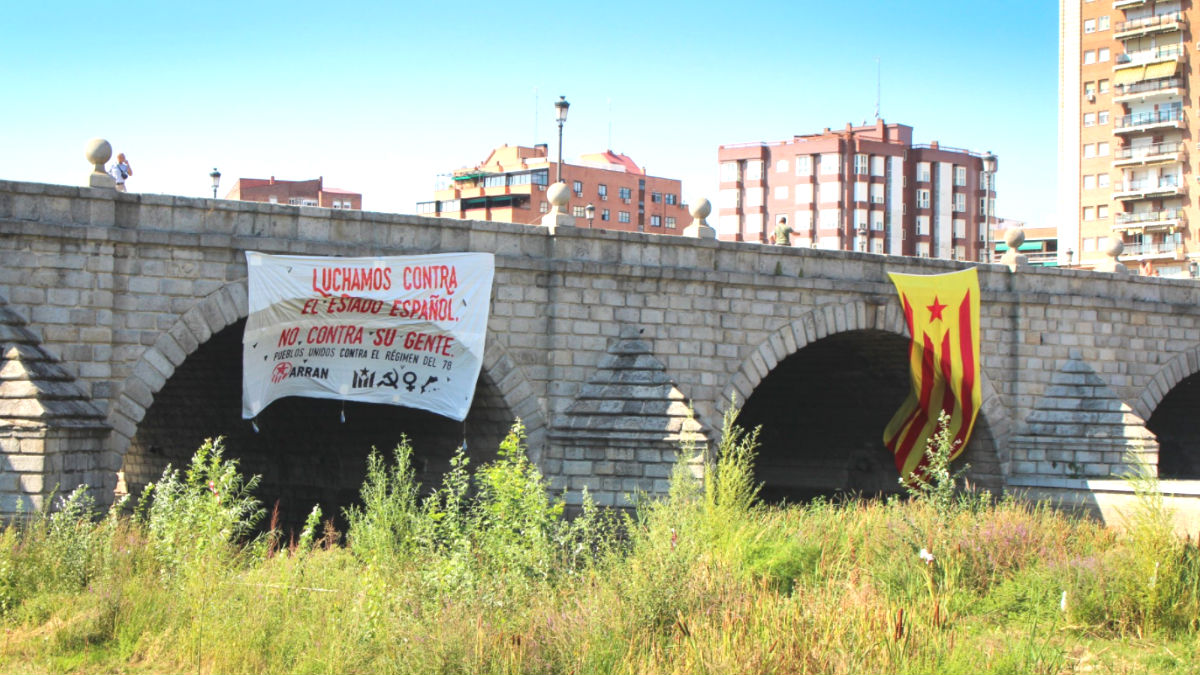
<point>380,97</point>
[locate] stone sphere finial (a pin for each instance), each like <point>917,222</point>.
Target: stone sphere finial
<point>558,195</point>
<point>98,152</point>
<point>1014,237</point>
<point>700,227</point>
<point>1115,248</point>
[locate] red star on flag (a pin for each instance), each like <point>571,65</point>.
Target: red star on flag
<point>935,310</point>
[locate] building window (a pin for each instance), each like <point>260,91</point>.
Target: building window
<point>578,188</point>
<point>923,172</point>
<point>960,176</point>
<point>1102,180</point>
<point>960,228</point>
<point>544,207</point>
<point>1102,149</point>
<point>1089,57</point>
<point>656,197</point>
<point>877,221</point>
<point>672,200</point>
<point>578,212</point>
<point>1089,213</point>
<point>1102,117</point>
<point>830,193</point>
<point>922,225</point>
<point>670,222</point>
<point>602,190</point>
<point>781,192</point>
<point>803,165</point>
<point>860,219</point>
<point>729,172</point>
<point>754,169</point>
<point>754,196</point>
<point>876,193</point>
<point>831,163</point>
<point>1089,88</point>
<point>1102,86</point>
<point>272,199</point>
<point>922,199</point>
<point>1102,23</point>
<point>1102,54</point>
<point>983,206</point>
<point>625,194</point>
<point>860,164</point>
<point>829,219</point>
<point>623,216</point>
<point>1089,119</point>
<point>876,246</point>
<point>1089,150</point>
<point>877,165</point>
<point>860,191</point>
<point>804,193</point>
<point>781,166</point>
<point>1089,26</point>
<point>960,202</point>
<point>1102,211</point>
<point>655,221</point>
<point>1089,182</point>
<point>604,215</point>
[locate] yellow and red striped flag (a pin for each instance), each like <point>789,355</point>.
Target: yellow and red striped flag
<point>942,312</point>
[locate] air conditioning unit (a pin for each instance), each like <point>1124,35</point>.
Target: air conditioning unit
<point>1091,98</point>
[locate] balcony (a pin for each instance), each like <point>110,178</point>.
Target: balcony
<point>1159,249</point>
<point>1161,23</point>
<point>1148,188</point>
<point>1173,53</point>
<point>1173,151</point>
<point>1172,118</point>
<point>1168,220</point>
<point>1147,90</point>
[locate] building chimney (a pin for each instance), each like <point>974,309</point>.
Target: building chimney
<point>540,149</point>
<point>272,181</point>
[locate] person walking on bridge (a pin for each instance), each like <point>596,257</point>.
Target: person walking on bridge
<point>783,232</point>
<point>120,171</point>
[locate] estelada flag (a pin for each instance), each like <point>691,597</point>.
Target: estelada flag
<point>942,312</point>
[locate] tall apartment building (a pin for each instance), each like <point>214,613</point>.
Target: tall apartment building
<point>864,188</point>
<point>510,186</point>
<point>294,192</point>
<point>1125,125</point>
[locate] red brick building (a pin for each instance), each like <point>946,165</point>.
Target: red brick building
<point>864,188</point>
<point>294,192</point>
<point>510,186</point>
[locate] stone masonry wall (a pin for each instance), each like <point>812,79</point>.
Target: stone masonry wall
<point>123,287</point>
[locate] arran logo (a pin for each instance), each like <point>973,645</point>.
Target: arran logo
<point>280,372</point>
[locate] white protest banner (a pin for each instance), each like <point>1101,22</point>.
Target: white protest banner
<point>402,330</point>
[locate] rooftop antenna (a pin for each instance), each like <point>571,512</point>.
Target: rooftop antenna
<point>610,123</point>
<point>878,86</point>
<point>535,116</point>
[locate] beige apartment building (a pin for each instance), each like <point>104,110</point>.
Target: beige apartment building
<point>510,187</point>
<point>866,188</point>
<point>1126,129</point>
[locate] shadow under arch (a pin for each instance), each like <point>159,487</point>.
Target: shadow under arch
<point>823,405</point>
<point>303,450</point>
<point>1168,404</point>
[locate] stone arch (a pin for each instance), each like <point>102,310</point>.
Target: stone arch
<point>1174,371</point>
<point>831,320</point>
<point>229,304</point>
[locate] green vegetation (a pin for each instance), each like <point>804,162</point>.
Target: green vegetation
<point>485,575</point>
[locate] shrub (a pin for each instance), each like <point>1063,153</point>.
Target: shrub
<point>202,511</point>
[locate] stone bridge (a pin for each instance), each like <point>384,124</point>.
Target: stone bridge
<point>121,317</point>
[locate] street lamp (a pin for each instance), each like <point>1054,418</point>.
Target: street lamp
<point>989,172</point>
<point>590,212</point>
<point>560,113</point>
<point>1070,256</point>
<point>216,179</point>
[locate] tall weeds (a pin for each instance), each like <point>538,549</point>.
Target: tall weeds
<point>484,573</point>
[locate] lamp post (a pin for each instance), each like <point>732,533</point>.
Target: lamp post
<point>1070,257</point>
<point>590,212</point>
<point>989,171</point>
<point>216,180</point>
<point>560,113</point>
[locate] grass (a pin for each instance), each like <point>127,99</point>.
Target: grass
<point>486,575</point>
